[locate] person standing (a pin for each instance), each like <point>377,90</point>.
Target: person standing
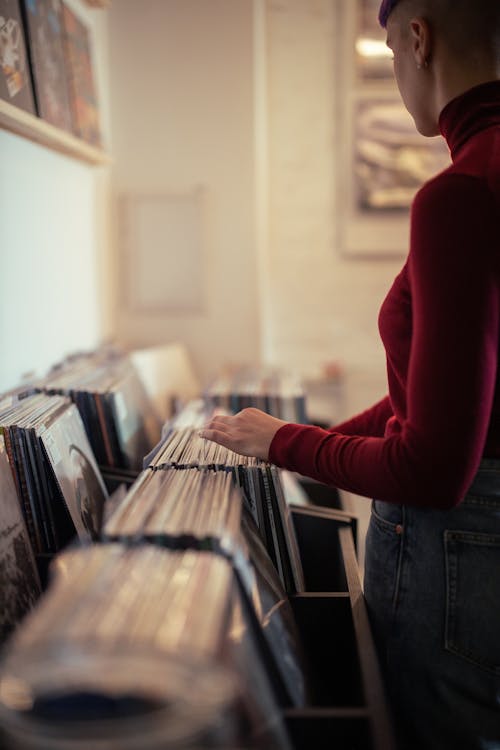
<point>429,452</point>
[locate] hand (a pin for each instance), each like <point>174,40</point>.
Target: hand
<point>249,433</point>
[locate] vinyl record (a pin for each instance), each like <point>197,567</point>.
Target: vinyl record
<point>15,77</point>
<point>44,27</point>
<point>76,472</point>
<point>19,582</point>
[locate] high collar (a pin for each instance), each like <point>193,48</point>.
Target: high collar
<point>470,113</point>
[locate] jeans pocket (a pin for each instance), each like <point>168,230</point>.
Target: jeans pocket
<point>473,597</point>
<point>388,518</point>
<point>383,550</point>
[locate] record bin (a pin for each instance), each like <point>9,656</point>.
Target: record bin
<point>322,495</point>
<point>347,709</point>
<point>114,477</point>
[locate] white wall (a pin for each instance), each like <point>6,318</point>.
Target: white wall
<point>53,229</point>
<point>323,305</point>
<point>201,94</point>
<point>182,118</point>
<point>240,97</point>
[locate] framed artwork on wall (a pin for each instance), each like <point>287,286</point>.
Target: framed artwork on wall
<point>15,78</point>
<point>373,59</point>
<point>391,160</point>
<point>383,159</point>
<point>163,240</point>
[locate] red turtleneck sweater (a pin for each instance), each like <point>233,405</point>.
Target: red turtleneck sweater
<point>440,325</point>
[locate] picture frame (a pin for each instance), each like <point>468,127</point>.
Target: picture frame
<point>383,160</point>
<point>163,235</point>
<point>372,57</point>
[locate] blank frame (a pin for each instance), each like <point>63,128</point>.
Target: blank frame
<point>163,241</point>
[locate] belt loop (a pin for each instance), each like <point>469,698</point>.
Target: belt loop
<point>400,527</point>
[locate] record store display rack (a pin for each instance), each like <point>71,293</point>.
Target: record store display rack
<point>71,438</point>
<point>199,610</point>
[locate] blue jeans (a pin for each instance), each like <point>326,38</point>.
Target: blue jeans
<point>432,588</point>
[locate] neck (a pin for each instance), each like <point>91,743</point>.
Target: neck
<point>453,80</point>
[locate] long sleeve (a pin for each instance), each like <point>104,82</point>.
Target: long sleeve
<point>443,406</point>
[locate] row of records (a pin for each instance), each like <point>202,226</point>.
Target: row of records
<point>190,578</point>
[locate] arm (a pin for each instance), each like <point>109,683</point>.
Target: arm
<point>251,431</point>
<point>452,368</point>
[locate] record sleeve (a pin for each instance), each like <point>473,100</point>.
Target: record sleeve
<point>271,532</point>
<point>48,496</point>
<point>45,33</point>
<point>203,509</point>
<point>15,77</point>
<point>277,630</point>
<point>120,420</point>
<point>138,648</point>
<point>34,490</point>
<point>266,728</point>
<point>82,92</point>
<point>291,547</point>
<point>29,501</point>
<point>76,472</point>
<point>54,509</point>
<point>136,423</point>
<point>19,582</point>
<point>5,434</point>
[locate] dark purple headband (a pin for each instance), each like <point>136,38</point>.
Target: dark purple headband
<point>385,11</point>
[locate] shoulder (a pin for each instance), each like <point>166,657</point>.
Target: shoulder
<point>455,218</point>
<point>456,207</point>
<point>451,189</point>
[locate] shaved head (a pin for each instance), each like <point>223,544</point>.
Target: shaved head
<point>468,27</point>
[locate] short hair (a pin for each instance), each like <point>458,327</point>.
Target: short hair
<point>470,26</point>
<point>386,8</point>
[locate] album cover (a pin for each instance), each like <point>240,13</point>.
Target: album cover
<point>76,471</point>
<point>15,77</point>
<point>58,526</point>
<point>281,642</point>
<point>119,418</point>
<point>291,549</point>
<point>31,490</point>
<point>136,424</point>
<point>49,496</point>
<point>141,630</point>
<point>266,727</point>
<point>29,502</point>
<point>107,455</point>
<point>19,582</point>
<point>82,93</point>
<point>45,34</point>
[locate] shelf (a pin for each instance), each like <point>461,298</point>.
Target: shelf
<point>34,129</point>
<point>320,551</point>
<point>346,707</point>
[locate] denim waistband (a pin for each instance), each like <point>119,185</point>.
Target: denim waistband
<point>486,482</point>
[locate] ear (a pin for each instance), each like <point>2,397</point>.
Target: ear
<point>421,41</point>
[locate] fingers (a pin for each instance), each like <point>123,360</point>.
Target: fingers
<point>242,417</point>
<point>216,436</point>
<point>219,422</point>
<point>215,433</point>
<point>225,432</point>
<point>248,433</point>
<point>223,424</point>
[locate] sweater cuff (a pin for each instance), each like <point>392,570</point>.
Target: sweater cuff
<point>294,446</point>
